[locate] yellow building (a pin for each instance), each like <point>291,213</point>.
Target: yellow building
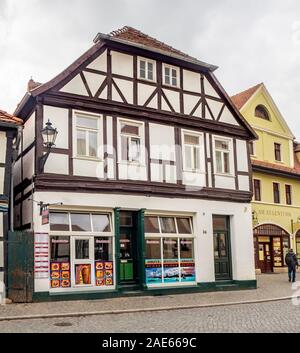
<point>276,180</point>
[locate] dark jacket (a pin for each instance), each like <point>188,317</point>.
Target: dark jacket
<point>291,259</point>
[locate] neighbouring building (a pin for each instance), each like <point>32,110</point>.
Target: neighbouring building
<point>148,185</point>
<point>276,180</point>
<point>9,127</point>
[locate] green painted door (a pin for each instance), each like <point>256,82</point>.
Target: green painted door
<point>127,254</point>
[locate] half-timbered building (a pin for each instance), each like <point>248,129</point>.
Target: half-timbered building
<point>9,126</point>
<point>149,182</point>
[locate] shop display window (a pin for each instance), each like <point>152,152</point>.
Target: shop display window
<point>151,225</point>
<point>101,223</point>
<point>59,221</point>
<point>60,275</point>
<point>81,222</point>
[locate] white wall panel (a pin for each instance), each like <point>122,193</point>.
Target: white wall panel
<point>173,98</point>
<point>57,163</point>
<point>94,81</point>
<point>122,64</point>
<point>228,118</point>
<point>162,142</point>
<point>191,81</point>
<point>243,181</point>
<point>2,146</point>
<point>83,167</point>
<point>2,176</point>
<point>59,118</point>
<point>100,63</point>
<point>189,103</point>
<point>1,225</point>
<point>75,86</point>
<point>126,87</point>
<point>144,92</point>
<point>29,131</point>
<point>242,156</point>
<point>224,182</point>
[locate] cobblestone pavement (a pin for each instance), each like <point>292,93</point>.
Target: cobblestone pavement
<point>279,316</point>
<point>269,286</point>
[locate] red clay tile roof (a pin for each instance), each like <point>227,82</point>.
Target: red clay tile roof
<point>7,118</point>
<point>281,168</point>
<point>241,98</point>
<point>133,35</point>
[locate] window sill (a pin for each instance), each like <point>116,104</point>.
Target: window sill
<point>224,175</point>
<point>165,85</point>
<point>135,164</point>
<point>94,159</point>
<point>146,80</point>
<point>194,171</point>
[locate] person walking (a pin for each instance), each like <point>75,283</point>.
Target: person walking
<point>292,263</point>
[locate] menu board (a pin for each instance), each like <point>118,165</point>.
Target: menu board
<point>60,275</point>
<point>153,271</point>
<point>41,255</point>
<point>277,252</point>
<point>104,273</point>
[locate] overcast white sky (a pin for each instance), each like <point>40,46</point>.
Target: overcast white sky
<point>251,41</point>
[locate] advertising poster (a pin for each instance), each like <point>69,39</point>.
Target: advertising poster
<point>41,255</point>
<point>60,275</point>
<point>104,273</point>
<point>187,270</point>
<point>82,274</point>
<point>171,271</point>
<point>153,271</point>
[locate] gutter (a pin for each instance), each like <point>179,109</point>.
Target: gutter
<point>107,37</point>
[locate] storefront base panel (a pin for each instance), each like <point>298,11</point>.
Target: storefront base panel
<point>200,287</point>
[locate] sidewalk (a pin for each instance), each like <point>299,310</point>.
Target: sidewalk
<point>270,287</point>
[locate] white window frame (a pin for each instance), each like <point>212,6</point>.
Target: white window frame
<point>141,136</point>
<point>231,157</point>
<point>201,148</point>
<point>164,66</point>
<point>99,130</point>
<point>147,61</point>
<point>84,235</point>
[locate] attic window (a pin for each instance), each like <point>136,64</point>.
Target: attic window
<point>261,112</point>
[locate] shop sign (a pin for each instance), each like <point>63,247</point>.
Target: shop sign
<point>45,216</point>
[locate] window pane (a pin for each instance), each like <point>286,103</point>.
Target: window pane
<point>191,139</point>
<point>174,77</point>
<point>129,129</point>
<point>135,149</point>
<point>186,249</point>
<point>226,163</point>
<point>87,122</point>
<point>82,249</point>
<point>196,154</point>
<point>184,225</point>
<point>142,69</point>
<point>124,148</point>
<point>92,144</point>
<point>223,145</point>
<point>103,249</point>
<point>81,143</point>
<point>80,222</point>
<point>167,224</point>
<point>150,71</point>
<point>219,223</point>
<point>101,223</point>
<point>60,249</point>
<point>170,248</point>
<point>188,157</point>
<point>151,225</point>
<point>59,221</point>
<point>153,249</point>
<point>219,168</point>
<point>126,219</point>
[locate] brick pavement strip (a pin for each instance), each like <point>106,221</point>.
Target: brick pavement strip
<point>269,288</point>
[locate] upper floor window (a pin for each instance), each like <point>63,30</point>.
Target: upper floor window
<point>257,189</point>
<point>222,156</point>
<point>130,142</point>
<point>251,148</point>
<point>276,192</point>
<point>261,112</point>
<point>87,135</point>
<point>146,69</point>
<point>192,153</point>
<point>288,194</point>
<point>170,75</point>
<point>277,151</point>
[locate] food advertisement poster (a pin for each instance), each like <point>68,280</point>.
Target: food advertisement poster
<point>60,275</point>
<point>171,271</point>
<point>82,274</point>
<point>104,273</point>
<point>153,271</point>
<point>188,270</point>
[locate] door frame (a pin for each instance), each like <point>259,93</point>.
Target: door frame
<point>227,233</point>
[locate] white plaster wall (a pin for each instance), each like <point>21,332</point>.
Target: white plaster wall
<point>94,81</point>
<point>1,225</point>
<point>156,172</point>
<point>128,171</point>
<point>2,175</point>
<point>28,164</point>
<point>244,184</point>
<point>170,174</point>
<point>242,156</point>
<point>144,92</point>
<point>228,118</point>
<point>57,164</point>
<point>191,81</point>
<point>29,131</point>
<point>202,210</point>
<point>173,98</point>
<point>126,87</point>
<point>194,179</point>
<point>59,118</point>
<point>225,182</point>
<point>121,64</point>
<point>189,103</point>
<point>89,168</point>
<point>2,147</point>
<point>215,107</point>
<point>209,90</point>
<point>100,63</point>
<point>1,254</point>
<point>75,86</point>
<point>162,142</point>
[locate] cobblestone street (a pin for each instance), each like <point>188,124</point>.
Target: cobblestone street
<point>281,316</point>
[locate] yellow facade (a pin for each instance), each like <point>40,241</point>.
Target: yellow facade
<point>274,130</point>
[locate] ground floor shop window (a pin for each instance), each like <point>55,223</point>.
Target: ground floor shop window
<point>169,250</point>
<point>83,255</point>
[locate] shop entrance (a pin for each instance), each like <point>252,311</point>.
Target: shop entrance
<point>265,257</point>
<point>222,251</point>
<point>128,248</point>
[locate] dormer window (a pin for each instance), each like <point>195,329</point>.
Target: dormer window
<point>146,69</point>
<point>171,75</point>
<point>261,112</point>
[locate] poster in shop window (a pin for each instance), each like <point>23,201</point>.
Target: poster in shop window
<point>153,271</point>
<point>171,271</point>
<point>187,270</point>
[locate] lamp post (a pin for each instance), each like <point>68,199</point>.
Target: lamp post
<point>49,134</point>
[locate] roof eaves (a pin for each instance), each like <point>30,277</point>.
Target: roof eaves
<point>103,36</point>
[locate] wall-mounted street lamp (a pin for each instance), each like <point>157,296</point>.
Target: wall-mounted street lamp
<point>49,134</point>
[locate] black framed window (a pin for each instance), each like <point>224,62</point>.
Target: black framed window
<point>288,194</point>
<point>276,192</point>
<point>257,189</point>
<point>277,151</point>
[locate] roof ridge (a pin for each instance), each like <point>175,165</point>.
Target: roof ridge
<point>241,98</point>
